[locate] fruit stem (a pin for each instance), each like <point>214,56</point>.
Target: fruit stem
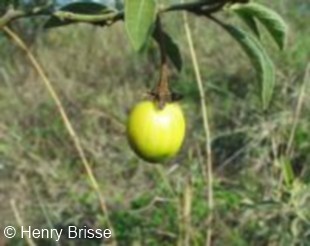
<point>161,92</point>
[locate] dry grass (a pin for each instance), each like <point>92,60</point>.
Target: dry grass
<point>98,77</point>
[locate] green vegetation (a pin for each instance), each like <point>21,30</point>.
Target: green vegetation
<point>260,157</point>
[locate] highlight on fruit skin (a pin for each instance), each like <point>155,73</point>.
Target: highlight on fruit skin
<point>155,134</point>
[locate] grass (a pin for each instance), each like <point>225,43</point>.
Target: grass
<point>98,78</point>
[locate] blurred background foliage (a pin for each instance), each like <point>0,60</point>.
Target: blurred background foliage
<point>99,77</point>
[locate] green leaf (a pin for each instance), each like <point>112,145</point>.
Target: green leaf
<point>139,20</point>
<point>273,22</point>
<point>249,21</point>
<point>287,170</point>
<point>172,49</point>
<point>62,3</point>
<point>260,60</point>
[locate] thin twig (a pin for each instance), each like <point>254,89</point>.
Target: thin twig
<point>197,7</point>
<point>298,109</point>
<point>65,118</point>
<point>44,211</point>
<point>20,221</point>
<point>14,14</point>
<point>204,110</point>
<point>161,91</point>
<point>187,210</point>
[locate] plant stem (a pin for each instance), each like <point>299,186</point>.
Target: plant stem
<point>205,113</point>
<point>198,7</point>
<point>20,222</point>
<point>14,14</point>
<point>194,6</point>
<point>162,92</point>
<point>298,109</point>
<point>20,43</point>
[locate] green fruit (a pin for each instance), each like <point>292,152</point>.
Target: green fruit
<point>156,134</point>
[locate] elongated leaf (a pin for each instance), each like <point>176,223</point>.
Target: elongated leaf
<point>249,21</point>
<point>172,49</point>
<point>273,22</point>
<point>63,3</point>
<point>287,171</point>
<point>260,60</point>
<point>139,20</point>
